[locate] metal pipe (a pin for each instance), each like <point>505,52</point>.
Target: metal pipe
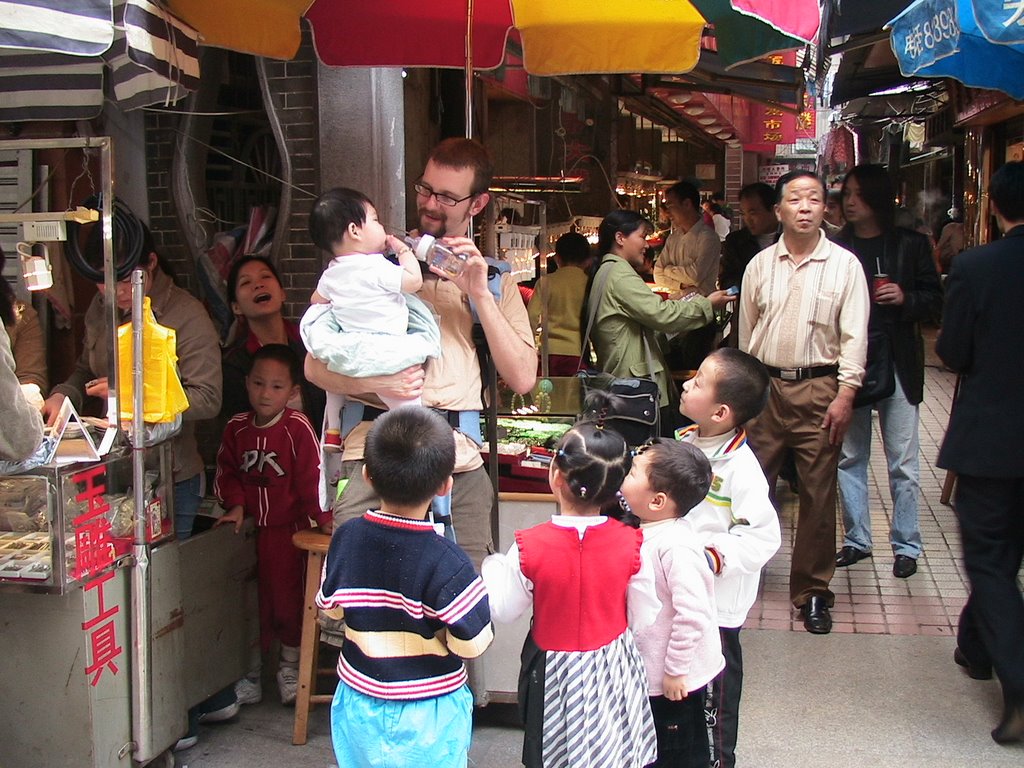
<point>142,671</point>
<point>542,269</point>
<point>110,280</point>
<point>469,70</point>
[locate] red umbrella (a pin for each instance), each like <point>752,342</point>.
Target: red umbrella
<point>411,33</point>
<point>564,37</point>
<point>796,18</point>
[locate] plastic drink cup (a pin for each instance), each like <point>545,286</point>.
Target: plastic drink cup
<point>878,282</point>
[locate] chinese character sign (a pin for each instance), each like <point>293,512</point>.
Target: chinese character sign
<point>103,644</point>
<point>770,174</point>
<point>1001,21</point>
<point>978,42</point>
<point>771,125</point>
<point>94,550</point>
<point>807,120</point>
<point>925,32</point>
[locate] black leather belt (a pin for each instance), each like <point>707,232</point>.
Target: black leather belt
<point>801,374</point>
<point>452,417</point>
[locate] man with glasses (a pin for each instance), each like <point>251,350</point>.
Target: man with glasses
<point>452,189</point>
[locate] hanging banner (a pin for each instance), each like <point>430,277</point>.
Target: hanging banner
<point>924,33</point>
<point>771,126</point>
<point>1000,21</point>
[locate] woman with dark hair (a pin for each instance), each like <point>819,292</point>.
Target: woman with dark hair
<point>627,313</point>
<point>256,297</point>
<point>198,354</point>
<point>906,291</point>
<point>558,300</point>
<point>22,325</point>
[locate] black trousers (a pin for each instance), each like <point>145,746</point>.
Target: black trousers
<point>722,706</point>
<point>991,515</point>
<point>532,665</point>
<point>682,732</point>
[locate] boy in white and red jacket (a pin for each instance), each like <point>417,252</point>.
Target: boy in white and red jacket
<point>736,521</point>
<point>268,468</point>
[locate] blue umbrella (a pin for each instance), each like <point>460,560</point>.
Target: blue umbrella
<point>978,42</point>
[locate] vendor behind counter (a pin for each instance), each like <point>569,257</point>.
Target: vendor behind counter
<point>198,351</point>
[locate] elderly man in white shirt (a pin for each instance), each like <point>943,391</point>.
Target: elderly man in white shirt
<point>804,314</point>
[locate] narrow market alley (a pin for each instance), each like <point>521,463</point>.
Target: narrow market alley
<point>881,690</point>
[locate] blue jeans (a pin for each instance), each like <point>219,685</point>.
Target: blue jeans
<point>898,420</point>
<point>187,495</point>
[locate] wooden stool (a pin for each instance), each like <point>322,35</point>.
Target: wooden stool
<point>315,543</point>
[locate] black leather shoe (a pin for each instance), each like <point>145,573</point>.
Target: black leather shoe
<point>904,566</point>
<point>1011,727</point>
<point>817,619</point>
<point>974,671</point>
<point>850,555</point>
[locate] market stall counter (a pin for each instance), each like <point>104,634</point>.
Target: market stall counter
<point>66,614</point>
<point>528,427</point>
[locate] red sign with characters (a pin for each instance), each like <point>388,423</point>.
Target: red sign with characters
<point>94,553</point>
<point>94,547</point>
<point>770,126</point>
<point>103,647</point>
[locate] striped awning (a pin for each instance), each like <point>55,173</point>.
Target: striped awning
<point>45,74</point>
<point>155,59</point>
<point>49,86</point>
<point>77,27</point>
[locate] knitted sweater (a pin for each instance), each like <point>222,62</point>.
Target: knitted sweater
<point>412,603</point>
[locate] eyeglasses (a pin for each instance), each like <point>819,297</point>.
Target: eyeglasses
<point>443,199</point>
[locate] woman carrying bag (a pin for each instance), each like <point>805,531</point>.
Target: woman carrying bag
<point>626,313</point>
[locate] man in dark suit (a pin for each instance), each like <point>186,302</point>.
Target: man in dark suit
<point>981,340</point>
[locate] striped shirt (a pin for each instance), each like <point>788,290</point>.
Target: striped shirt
<point>808,314</point>
<point>412,603</point>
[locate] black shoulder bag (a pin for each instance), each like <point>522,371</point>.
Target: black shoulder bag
<point>637,413</point>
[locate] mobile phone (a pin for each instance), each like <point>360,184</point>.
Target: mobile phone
<point>732,290</point>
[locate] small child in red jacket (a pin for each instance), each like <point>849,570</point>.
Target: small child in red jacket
<point>583,689</point>
<point>268,468</point>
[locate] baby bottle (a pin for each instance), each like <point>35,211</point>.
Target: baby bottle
<point>428,250</point>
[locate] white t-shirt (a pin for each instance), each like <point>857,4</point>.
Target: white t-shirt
<point>722,226</point>
<point>365,291</point>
